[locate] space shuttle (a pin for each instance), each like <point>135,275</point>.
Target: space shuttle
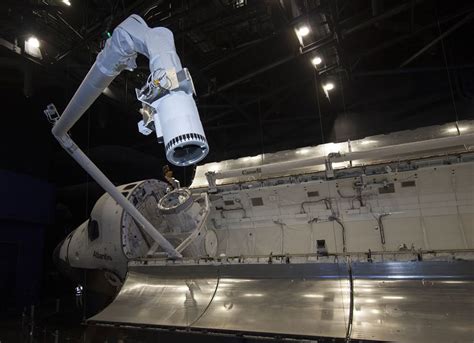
<point>370,239</point>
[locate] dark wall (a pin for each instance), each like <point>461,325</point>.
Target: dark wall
<point>26,209</point>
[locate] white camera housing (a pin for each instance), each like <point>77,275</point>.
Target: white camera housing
<point>183,135</point>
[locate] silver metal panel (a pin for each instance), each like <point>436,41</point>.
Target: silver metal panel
<point>301,299</point>
<point>149,300</point>
<point>422,270</point>
<point>393,301</point>
<point>413,310</point>
<point>414,301</point>
<point>277,306</point>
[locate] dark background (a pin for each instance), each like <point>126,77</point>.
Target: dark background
<point>257,92</point>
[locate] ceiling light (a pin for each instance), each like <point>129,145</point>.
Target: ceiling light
<point>302,31</point>
<point>316,61</point>
<point>328,86</point>
<point>33,42</point>
<point>66,2</point>
<point>32,47</point>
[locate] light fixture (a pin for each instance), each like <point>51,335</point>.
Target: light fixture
<point>66,2</point>
<point>316,61</point>
<point>328,86</point>
<point>32,47</point>
<point>240,3</point>
<point>33,42</point>
<point>302,31</point>
<point>107,92</point>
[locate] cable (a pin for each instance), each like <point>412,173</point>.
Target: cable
<point>381,227</point>
<point>352,197</point>
<point>262,143</point>
<point>341,81</point>
<point>319,106</point>
<point>351,305</point>
<point>210,301</point>
<point>337,220</point>
<point>325,200</point>
<point>233,209</point>
<point>448,73</point>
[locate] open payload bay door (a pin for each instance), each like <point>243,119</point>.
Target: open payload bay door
<point>391,301</point>
<point>290,299</point>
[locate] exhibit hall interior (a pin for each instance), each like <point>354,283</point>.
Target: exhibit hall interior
<point>237,171</point>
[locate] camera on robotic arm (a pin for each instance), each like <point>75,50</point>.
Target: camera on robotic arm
<point>169,109</point>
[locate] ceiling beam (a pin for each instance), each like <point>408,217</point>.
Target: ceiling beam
<point>385,15</point>
<point>319,44</point>
<point>94,30</point>
<point>274,92</point>
<point>446,33</point>
<point>399,39</point>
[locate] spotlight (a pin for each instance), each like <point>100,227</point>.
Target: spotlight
<point>302,31</point>
<point>66,2</point>
<point>328,86</point>
<point>33,42</point>
<point>32,47</point>
<point>316,61</point>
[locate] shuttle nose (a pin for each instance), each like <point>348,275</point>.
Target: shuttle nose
<point>63,265</point>
<point>56,259</point>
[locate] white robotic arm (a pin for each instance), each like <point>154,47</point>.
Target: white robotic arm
<point>167,96</point>
<point>168,105</point>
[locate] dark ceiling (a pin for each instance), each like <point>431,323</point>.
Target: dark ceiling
<point>395,65</point>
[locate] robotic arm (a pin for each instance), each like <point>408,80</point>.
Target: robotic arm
<point>168,107</point>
